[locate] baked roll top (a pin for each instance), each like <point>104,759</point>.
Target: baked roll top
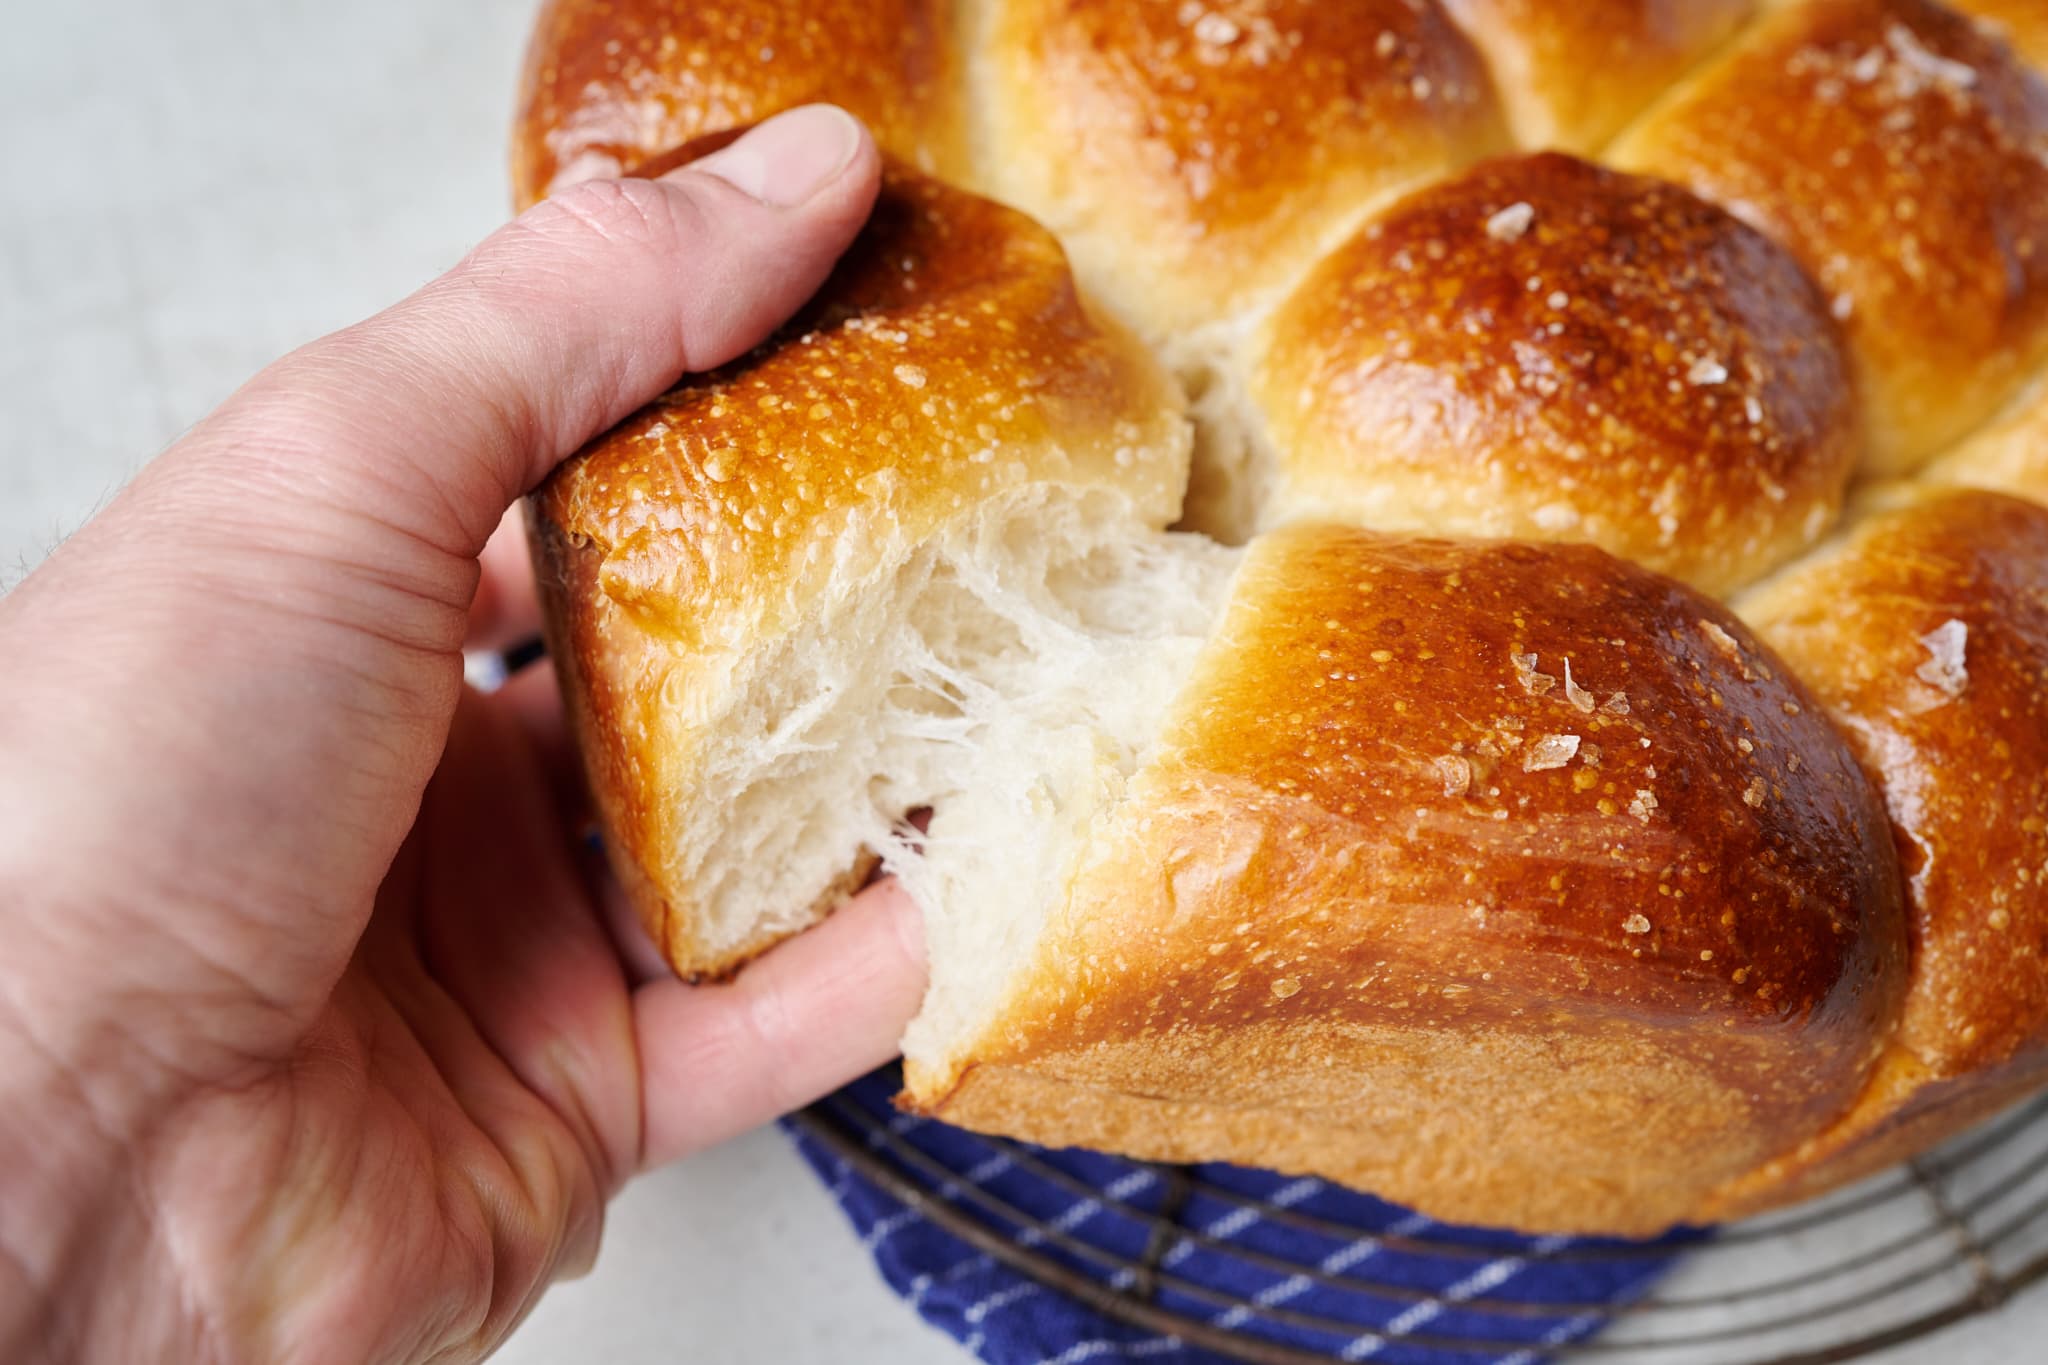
<point>1901,152</point>
<point>1543,348</point>
<point>612,84</point>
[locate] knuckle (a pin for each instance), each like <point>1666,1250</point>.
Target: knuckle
<point>773,1039</point>
<point>636,214</point>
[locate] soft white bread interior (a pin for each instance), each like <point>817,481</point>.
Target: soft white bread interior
<point>1007,676</point>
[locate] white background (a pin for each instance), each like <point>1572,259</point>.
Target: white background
<point>194,188</point>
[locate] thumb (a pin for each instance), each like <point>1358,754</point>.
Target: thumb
<point>230,689</point>
<point>442,410</point>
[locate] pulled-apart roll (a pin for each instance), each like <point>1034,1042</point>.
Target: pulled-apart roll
<point>1285,666</point>
<point>712,566</point>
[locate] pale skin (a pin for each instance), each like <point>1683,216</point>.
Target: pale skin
<point>322,1034</point>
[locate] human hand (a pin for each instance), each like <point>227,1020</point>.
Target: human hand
<point>317,1038</point>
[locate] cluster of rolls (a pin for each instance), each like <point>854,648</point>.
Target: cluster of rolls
<point>1470,611</point>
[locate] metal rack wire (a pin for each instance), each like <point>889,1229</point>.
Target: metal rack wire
<point>1946,1237</point>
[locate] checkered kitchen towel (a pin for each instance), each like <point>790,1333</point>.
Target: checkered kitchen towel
<point>1331,1272</point>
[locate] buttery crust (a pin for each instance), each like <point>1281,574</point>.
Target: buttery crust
<point>1572,74</point>
<point>1546,349</point>
<point>1925,633</point>
<point>1897,149</point>
<point>1523,816</point>
<point>1203,158</point>
<point>610,84</point>
<point>947,361</point>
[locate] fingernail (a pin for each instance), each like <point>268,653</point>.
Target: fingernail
<point>789,158</point>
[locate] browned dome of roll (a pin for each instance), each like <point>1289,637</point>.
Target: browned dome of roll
<point>1926,635</point>
<point>1190,153</point>
<point>947,345</point>
<point>1571,74</point>
<point>1544,348</point>
<point>1902,153</point>
<point>610,84</point>
<point>1459,863</point>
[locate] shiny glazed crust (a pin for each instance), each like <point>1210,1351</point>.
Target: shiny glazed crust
<point>1543,54</point>
<point>1713,920</point>
<point>1208,160</point>
<point>1926,635</point>
<point>611,84</point>
<point>1540,347</point>
<point>1935,134</point>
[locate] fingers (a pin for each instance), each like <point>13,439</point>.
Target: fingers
<point>560,325</point>
<point>821,1009</point>
<point>260,638</point>
<point>506,608</point>
<point>638,953</point>
<point>504,925</point>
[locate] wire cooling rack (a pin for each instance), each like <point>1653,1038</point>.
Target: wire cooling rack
<point>1943,1238</point>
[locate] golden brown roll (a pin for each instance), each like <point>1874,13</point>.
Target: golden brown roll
<point>1571,75</point>
<point>947,372</point>
<point>1546,349</point>
<point>1925,633</point>
<point>1368,827</point>
<point>1203,152</point>
<point>611,84</point>
<point>1898,150</point>
<point>1511,882</point>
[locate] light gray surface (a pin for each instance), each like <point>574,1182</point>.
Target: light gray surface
<point>194,189</point>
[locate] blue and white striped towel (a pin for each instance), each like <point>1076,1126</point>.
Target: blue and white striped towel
<point>1413,1291</point>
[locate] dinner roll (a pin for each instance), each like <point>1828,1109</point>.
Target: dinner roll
<point>1543,53</point>
<point>1902,154</point>
<point>1925,634</point>
<point>1543,348</point>
<point>1206,151</point>
<point>610,84</point>
<point>948,385</point>
<point>1279,654</point>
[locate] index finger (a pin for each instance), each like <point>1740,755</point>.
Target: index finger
<point>816,1012</point>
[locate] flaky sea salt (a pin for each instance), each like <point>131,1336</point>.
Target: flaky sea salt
<point>1456,772</point>
<point>1551,751</point>
<point>1511,222</point>
<point>1575,694</point>
<point>1946,667</point>
<point>1526,674</point>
